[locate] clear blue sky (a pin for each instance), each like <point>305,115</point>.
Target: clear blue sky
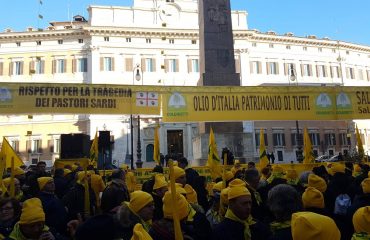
<point>338,19</point>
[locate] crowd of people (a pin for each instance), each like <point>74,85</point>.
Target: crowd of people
<point>329,203</point>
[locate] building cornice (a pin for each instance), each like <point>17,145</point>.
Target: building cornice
<point>41,35</point>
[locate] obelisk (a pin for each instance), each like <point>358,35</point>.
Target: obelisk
<point>217,68</point>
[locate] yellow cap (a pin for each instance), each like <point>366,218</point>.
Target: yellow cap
<point>228,175</point>
<point>138,200</point>
<point>178,172</point>
<point>309,225</point>
<point>365,184</point>
<point>43,181</point>
<point>291,174</point>
<point>237,183</point>
<point>337,168</point>
<point>191,194</point>
<point>181,206</point>
<point>224,197</point>
<point>317,182</point>
<point>66,171</point>
<point>236,161</point>
<point>361,220</point>
<point>357,168</point>
<point>159,181</point>
<point>124,166</point>
<point>74,167</point>
<point>237,191</point>
<point>6,182</point>
<point>32,212</point>
<point>81,176</point>
<point>139,233</point>
<point>18,171</point>
<point>218,186</point>
<point>313,198</point>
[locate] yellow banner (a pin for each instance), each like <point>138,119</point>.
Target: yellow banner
<point>30,98</point>
<point>266,103</point>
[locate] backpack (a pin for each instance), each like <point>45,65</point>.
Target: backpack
<point>342,203</point>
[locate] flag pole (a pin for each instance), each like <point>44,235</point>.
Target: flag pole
<point>12,185</point>
<point>176,220</point>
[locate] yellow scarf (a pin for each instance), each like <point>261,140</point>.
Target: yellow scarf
<point>191,214</point>
<point>360,236</point>
<point>279,225</point>
<point>256,195</point>
<point>247,232</point>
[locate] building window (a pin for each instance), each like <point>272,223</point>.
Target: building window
<point>257,138</point>
<point>55,148</point>
<point>172,65</point>
<point>36,146</point>
<point>315,139</point>
<point>171,41</point>
<point>279,139</point>
<point>321,71</point>
<point>193,41</point>
<point>333,51</point>
<point>271,45</point>
<point>107,64</point>
<point>330,139</point>
<point>344,139</point>
<point>38,43</point>
<point>82,65</point>
<point>319,49</point>
<point>60,41</point>
<point>128,39</point>
<point>39,66</point>
<point>17,68</point>
<point>295,137</point>
<point>195,65</point>
<point>106,39</point>
<point>347,52</point>
<point>335,72</point>
<point>350,73</point>
<point>18,44</point>
<point>306,70</point>
<point>15,144</point>
<point>149,65</point>
<point>60,66</point>
<point>368,75</point>
<point>287,47</point>
<point>360,74</point>
<point>272,68</point>
<point>256,67</point>
<point>80,40</point>
<point>254,44</point>
<point>304,48</point>
<point>148,40</point>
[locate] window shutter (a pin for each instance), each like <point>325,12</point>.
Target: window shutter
<point>302,70</point>
<point>347,73</point>
<point>1,68</point>
<point>341,139</point>
<point>277,67</point>
<point>28,146</point>
<point>74,67</point>
<point>143,65</point>
<point>274,138</point>
<point>331,72</point>
<point>334,139</point>
<point>325,71</point>
<point>265,138</point>
<point>292,135</point>
<point>286,69</point>
<point>65,65</point>
<point>21,68</point>
<point>154,62</point>
<point>51,145</point>
<point>113,67</point>
<point>251,66</point>
<point>101,64</point>
<point>189,66</point>
<point>129,64</point>
<point>310,70</point>
<point>283,136</point>
<point>317,70</point>
<point>32,67</point>
<point>166,65</point>
<point>257,138</point>
<point>177,65</point>
<point>259,66</point>
<point>54,66</point>
<point>339,71</point>
<point>268,68</point>
<point>237,65</point>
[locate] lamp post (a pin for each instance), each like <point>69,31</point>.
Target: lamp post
<point>138,76</point>
<point>293,77</point>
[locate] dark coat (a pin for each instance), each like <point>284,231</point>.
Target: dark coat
<point>199,228</point>
<point>113,195</point>
<point>148,185</point>
<point>230,229</point>
<point>74,200</point>
<point>158,207</point>
<point>61,186</point>
<point>191,176</point>
<point>55,212</point>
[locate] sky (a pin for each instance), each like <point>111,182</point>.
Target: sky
<point>337,19</point>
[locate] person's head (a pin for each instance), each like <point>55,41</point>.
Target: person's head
<point>365,185</point>
<point>240,201</point>
<point>182,162</point>
<point>303,178</point>
<point>349,168</point>
<point>158,169</point>
<point>180,176</point>
<point>317,182</point>
<point>361,220</point>
<point>46,184</point>
<point>41,167</point>
<point>266,172</point>
<point>32,220</point>
<point>10,209</point>
<point>309,225</point>
<point>68,167</point>
<point>17,185</point>
<point>251,165</point>
<point>118,174</point>
<point>191,194</point>
<point>160,186</point>
<point>141,203</point>
<point>252,177</point>
<point>283,201</point>
<point>59,172</point>
<point>181,206</point>
<point>313,198</point>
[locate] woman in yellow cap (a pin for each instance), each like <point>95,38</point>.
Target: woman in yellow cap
<point>213,214</point>
<point>31,224</point>
<point>160,187</point>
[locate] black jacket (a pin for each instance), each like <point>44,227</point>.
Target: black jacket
<point>113,195</point>
<point>74,200</point>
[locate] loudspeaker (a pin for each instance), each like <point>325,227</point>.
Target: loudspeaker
<point>74,146</point>
<point>104,140</point>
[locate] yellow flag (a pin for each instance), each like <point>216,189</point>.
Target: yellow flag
<point>8,153</point>
<point>94,150</point>
<point>156,153</point>
<point>176,220</point>
<point>360,147</point>
<point>213,161</point>
<point>308,153</point>
<point>264,161</point>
